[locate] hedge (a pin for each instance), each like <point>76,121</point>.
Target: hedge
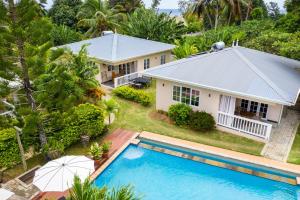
<point>132,94</point>
<point>9,150</point>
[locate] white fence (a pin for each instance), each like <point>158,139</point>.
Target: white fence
<point>242,124</point>
<point>123,80</point>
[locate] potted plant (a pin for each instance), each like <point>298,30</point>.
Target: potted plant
<point>85,139</point>
<point>96,151</point>
<point>53,149</point>
<point>105,148</point>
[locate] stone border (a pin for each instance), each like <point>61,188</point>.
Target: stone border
<point>28,171</point>
<point>221,164</point>
<point>113,157</point>
<point>224,153</point>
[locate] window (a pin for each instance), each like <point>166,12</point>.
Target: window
<point>110,68</point>
<point>146,63</point>
<point>263,110</point>
<point>253,106</point>
<point>195,98</point>
<point>162,59</point>
<point>176,93</point>
<point>244,104</point>
<point>186,95</point>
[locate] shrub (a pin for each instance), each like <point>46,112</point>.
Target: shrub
<point>201,121</point>
<point>83,119</point>
<point>180,113</point>
<point>9,150</point>
<point>132,94</point>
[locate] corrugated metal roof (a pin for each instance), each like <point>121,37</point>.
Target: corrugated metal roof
<point>237,70</point>
<point>117,47</point>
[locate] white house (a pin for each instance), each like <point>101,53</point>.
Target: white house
<point>244,89</point>
<point>121,57</point>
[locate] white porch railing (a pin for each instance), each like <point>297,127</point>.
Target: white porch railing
<point>242,124</point>
<point>124,80</point>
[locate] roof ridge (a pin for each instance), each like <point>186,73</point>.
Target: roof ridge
<point>262,75</point>
<point>184,60</point>
<point>114,47</point>
<point>129,36</point>
<point>270,54</point>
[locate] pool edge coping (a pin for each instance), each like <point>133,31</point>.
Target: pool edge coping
<point>225,153</point>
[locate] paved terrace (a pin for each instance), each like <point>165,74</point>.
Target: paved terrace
<point>280,143</point>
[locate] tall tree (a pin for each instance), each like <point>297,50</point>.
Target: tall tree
<point>63,12</point>
<point>97,17</point>
<point>155,4</point>
<point>273,10</point>
<point>68,80</point>
<point>25,31</point>
<point>126,6</point>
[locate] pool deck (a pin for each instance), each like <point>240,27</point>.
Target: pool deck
<point>120,138</point>
<point>251,159</point>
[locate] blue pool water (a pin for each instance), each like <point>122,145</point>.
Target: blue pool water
<point>158,176</point>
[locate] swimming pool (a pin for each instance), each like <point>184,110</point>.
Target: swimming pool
<point>159,176</point>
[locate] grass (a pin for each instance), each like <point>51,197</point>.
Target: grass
<point>136,117</point>
<point>294,156</point>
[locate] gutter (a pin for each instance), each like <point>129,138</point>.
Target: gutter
<point>219,89</point>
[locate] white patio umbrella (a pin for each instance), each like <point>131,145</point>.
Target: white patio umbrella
<point>58,175</point>
<point>5,194</point>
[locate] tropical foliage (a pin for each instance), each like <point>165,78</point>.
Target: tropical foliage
<point>63,35</point>
<point>111,106</point>
<point>63,12</point>
<point>159,27</point>
<point>67,80</point>
<point>96,16</point>
<point>88,191</point>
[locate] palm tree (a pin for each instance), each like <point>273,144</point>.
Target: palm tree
<point>97,16</point>
<point>207,9</point>
<point>126,6</point>
<point>85,190</point>
<point>88,191</point>
<point>111,106</point>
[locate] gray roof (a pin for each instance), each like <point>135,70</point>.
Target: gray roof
<point>239,71</point>
<point>116,47</point>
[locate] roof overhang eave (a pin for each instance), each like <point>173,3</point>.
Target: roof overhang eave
<point>219,89</point>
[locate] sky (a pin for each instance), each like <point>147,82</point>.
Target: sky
<point>173,4</point>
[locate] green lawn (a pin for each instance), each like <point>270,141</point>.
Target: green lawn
<point>135,117</point>
<point>294,156</point>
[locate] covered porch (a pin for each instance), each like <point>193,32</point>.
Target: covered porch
<point>248,116</point>
<point>110,72</point>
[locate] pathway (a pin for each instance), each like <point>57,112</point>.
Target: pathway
<point>282,137</point>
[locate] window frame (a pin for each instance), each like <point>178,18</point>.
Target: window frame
<point>146,63</point>
<point>190,95</point>
<point>163,58</point>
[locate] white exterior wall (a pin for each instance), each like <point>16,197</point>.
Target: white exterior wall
<point>154,61</point>
<point>208,100</point>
